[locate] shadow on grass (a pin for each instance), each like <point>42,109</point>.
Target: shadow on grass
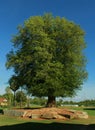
<point>89,108</point>
<point>28,108</point>
<point>51,126</point>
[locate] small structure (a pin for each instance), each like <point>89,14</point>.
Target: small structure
<point>3,102</point>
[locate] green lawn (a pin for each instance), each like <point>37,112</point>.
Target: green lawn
<point>15,123</point>
<point>11,123</point>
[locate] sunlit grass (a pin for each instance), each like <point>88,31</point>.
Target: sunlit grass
<point>8,120</point>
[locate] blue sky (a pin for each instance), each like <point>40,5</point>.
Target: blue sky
<point>15,12</point>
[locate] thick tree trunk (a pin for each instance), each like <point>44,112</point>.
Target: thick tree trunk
<point>51,101</point>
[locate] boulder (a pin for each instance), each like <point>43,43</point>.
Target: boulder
<point>35,116</point>
<point>81,114</point>
<point>49,115</point>
<point>13,113</point>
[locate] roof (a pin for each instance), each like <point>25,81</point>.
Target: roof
<point>3,100</point>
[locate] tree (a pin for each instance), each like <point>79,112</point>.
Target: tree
<point>8,95</point>
<point>21,97</point>
<point>38,101</point>
<point>14,85</point>
<point>48,56</point>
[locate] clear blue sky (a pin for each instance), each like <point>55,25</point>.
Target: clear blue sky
<point>15,12</point>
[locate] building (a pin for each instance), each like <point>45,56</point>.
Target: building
<point>3,102</point>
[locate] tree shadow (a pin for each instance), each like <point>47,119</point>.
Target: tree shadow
<point>50,126</point>
<point>28,108</point>
<point>89,108</point>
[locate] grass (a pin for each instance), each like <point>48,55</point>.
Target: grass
<point>89,110</point>
<point>7,120</point>
<point>11,123</point>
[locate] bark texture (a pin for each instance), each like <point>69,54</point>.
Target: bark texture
<point>51,101</point>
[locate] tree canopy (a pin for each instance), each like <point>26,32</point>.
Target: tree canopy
<point>48,56</point>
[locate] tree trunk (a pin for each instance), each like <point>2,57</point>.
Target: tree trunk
<point>51,101</point>
<point>14,102</point>
<point>28,101</point>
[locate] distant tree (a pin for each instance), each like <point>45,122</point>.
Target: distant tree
<point>8,95</point>
<point>60,102</point>
<point>87,102</point>
<point>21,97</point>
<point>48,56</point>
<point>14,86</point>
<point>38,101</point>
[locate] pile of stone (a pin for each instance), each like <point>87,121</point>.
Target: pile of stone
<point>55,113</point>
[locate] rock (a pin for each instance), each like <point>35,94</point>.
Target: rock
<point>27,114</point>
<point>81,114</point>
<point>53,115</point>
<point>69,116</point>
<point>48,115</point>
<point>35,116</point>
<point>61,117</point>
<point>13,113</point>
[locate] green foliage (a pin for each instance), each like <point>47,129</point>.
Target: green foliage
<point>87,103</point>
<point>48,56</point>
<point>20,96</point>
<point>38,101</point>
<point>8,95</point>
<point>14,83</point>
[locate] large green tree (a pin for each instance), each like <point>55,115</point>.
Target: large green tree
<point>48,56</point>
